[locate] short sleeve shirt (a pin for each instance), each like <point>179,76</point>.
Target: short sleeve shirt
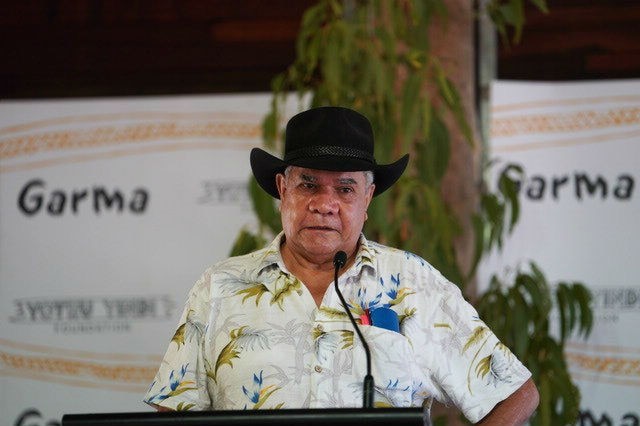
<point>251,336</point>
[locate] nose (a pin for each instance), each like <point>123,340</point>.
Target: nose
<point>324,202</point>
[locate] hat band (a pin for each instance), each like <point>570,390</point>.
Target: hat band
<point>335,151</point>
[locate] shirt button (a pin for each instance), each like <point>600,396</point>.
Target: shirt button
<point>320,328</point>
<point>318,369</point>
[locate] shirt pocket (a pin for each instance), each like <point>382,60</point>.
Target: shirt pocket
<point>397,377</point>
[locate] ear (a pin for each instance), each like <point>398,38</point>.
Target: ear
<point>369,194</point>
<point>280,184</point>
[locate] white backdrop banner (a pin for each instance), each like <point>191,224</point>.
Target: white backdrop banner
<point>579,146</point>
<point>109,211</point>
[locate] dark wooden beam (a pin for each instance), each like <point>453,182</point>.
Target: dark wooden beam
<point>577,39</point>
<point>68,48</point>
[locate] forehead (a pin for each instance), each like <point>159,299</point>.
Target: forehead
<point>327,175</point>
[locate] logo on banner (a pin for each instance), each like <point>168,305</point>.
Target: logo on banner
<point>92,315</point>
<point>578,185</point>
<point>35,197</point>
<point>610,303</point>
<point>587,418</point>
<point>33,417</point>
<point>224,192</point>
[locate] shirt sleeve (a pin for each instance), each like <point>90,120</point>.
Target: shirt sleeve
<point>180,383</point>
<point>468,362</point>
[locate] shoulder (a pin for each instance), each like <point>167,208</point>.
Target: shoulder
<point>416,270</point>
<point>241,263</point>
<point>233,271</point>
<point>391,258</point>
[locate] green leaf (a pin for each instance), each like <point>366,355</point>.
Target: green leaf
<point>450,95</point>
<point>513,14</point>
<point>563,306</point>
<point>520,328</point>
<point>270,128</point>
<point>264,207</point>
<point>541,5</point>
<point>433,154</point>
<point>582,295</point>
<point>478,233</point>
<point>410,114</point>
<point>510,188</point>
<point>246,242</point>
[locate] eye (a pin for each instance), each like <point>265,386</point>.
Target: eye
<point>345,190</point>
<point>307,185</point>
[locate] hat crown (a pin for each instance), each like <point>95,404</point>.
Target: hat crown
<point>329,132</point>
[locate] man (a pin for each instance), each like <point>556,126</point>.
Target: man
<point>267,330</point>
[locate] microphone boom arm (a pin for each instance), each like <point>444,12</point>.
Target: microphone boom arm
<point>339,261</point>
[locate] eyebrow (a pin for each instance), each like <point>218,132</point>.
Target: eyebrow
<point>347,181</point>
<point>341,181</point>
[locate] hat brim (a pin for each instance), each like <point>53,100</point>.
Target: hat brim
<point>265,167</point>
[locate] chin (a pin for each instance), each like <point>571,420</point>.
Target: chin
<point>324,252</point>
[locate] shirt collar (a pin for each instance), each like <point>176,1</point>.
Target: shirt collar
<point>271,261</point>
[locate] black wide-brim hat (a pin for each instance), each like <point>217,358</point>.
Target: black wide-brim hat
<point>326,138</point>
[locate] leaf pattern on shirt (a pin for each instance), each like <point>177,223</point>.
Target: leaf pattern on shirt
<point>258,395</point>
<point>479,337</point>
<point>400,295</point>
<point>332,313</point>
<point>496,366</point>
<point>294,334</point>
<point>323,343</point>
<point>347,338</point>
<point>185,406</point>
<point>328,342</point>
<point>256,290</point>
<point>240,339</point>
<point>406,314</point>
<point>285,286</point>
<point>188,330</point>
<point>365,256</point>
<point>363,302</point>
<point>176,386</point>
<point>394,291</point>
<point>500,364</point>
<point>484,366</point>
<point>317,333</point>
<point>479,333</point>
<point>393,389</point>
<point>178,337</point>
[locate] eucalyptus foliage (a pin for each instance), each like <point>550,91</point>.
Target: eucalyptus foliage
<point>374,56</point>
<point>520,313</point>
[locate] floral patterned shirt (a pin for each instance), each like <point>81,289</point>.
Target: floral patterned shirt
<point>251,336</point>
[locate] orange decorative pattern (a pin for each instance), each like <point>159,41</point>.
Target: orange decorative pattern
<point>120,373</point>
<point>600,138</point>
<point>123,372</point>
<point>118,135</point>
<point>610,364</point>
<point>564,122</point>
<point>556,102</point>
<point>129,116</point>
<point>606,364</point>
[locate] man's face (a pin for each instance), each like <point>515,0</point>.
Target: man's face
<point>322,211</point>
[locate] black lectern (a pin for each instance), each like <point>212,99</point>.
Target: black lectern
<point>303,417</point>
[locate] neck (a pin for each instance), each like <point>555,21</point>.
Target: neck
<point>315,273</point>
<point>299,261</point>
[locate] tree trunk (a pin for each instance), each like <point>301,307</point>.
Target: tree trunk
<point>453,43</point>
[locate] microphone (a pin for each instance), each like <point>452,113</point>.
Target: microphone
<point>339,260</point>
